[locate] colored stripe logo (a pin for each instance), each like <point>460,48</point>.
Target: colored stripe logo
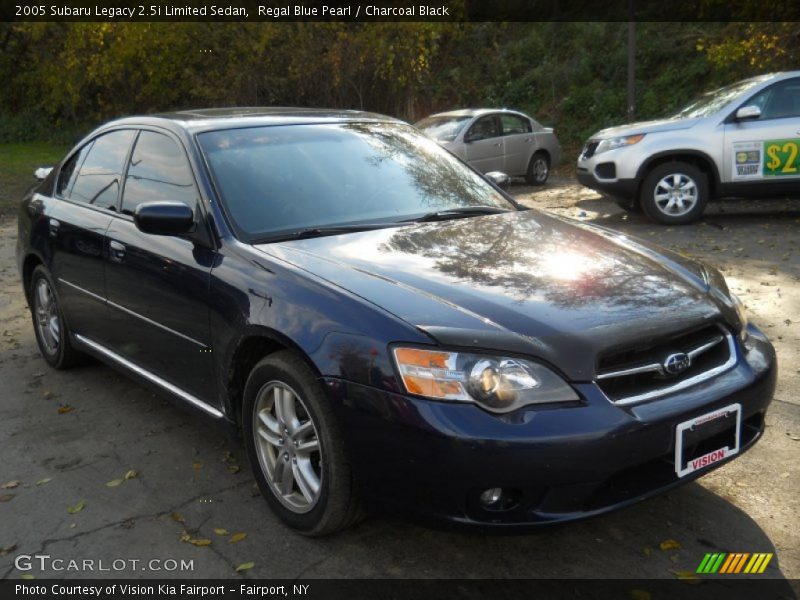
<point>735,562</point>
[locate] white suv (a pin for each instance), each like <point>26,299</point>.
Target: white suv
<point>741,140</point>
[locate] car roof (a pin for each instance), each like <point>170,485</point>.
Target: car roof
<point>476,112</point>
<point>209,119</point>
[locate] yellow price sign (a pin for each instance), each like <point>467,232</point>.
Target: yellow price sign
<point>782,157</point>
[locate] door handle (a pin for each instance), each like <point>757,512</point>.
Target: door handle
<point>53,225</point>
<point>497,145</point>
<point>117,251</point>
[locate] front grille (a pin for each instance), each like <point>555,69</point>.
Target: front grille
<point>641,373</point>
<point>589,148</point>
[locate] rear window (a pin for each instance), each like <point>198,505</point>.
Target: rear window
<point>94,174</point>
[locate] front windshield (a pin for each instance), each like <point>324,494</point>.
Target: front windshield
<point>711,102</point>
<point>443,128</point>
<point>280,179</point>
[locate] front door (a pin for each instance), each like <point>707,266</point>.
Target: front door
<point>765,152</point>
<point>484,144</point>
<point>157,286</point>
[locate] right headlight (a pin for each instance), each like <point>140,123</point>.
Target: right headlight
<point>618,142</point>
<point>497,383</point>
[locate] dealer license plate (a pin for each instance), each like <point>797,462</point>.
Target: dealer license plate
<point>707,439</point>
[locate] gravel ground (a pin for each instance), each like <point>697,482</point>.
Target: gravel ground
<point>67,435</point>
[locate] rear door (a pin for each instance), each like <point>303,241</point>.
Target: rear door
<point>764,153</point>
<point>483,142</point>
<point>157,286</point>
<point>518,141</point>
<point>87,192</point>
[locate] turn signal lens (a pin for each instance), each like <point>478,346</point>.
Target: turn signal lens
<point>499,384</point>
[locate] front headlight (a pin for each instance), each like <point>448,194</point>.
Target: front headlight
<point>618,142</point>
<point>497,383</point>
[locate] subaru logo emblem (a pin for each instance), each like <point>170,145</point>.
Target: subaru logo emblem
<point>677,363</point>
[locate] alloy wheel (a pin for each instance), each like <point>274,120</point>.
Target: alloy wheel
<point>288,447</point>
<point>540,169</point>
<point>48,323</point>
<point>675,194</point>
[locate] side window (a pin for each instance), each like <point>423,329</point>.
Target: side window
<point>513,125</point>
<point>159,170</point>
<point>99,174</point>
<point>779,101</point>
<point>69,172</point>
<point>484,128</point>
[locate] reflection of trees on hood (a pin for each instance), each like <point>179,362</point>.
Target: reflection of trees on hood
<point>542,258</point>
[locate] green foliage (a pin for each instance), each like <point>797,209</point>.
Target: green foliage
<point>61,78</point>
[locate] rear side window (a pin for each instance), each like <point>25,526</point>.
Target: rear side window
<point>159,171</point>
<point>96,173</point>
<point>513,124</point>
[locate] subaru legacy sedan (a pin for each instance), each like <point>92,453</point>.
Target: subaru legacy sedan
<point>383,325</point>
<point>497,140</point>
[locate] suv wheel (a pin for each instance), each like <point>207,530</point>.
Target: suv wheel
<point>52,333</point>
<point>674,193</point>
<point>295,447</point>
<point>538,170</point>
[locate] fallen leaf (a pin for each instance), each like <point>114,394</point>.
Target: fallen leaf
<point>6,497</point>
<point>686,576</point>
<point>9,485</point>
<point>647,551</point>
<point>185,537</point>
<point>200,542</point>
<point>245,566</point>
<point>669,545</point>
<point>77,507</point>
<point>72,525</point>
<point>197,466</point>
<point>639,595</point>
<point>131,474</point>
<point>44,481</point>
<point>65,408</point>
<point>221,531</point>
<point>237,537</point>
<point>177,517</point>
<point>6,549</point>
<point>234,469</point>
<point>47,394</point>
<point>114,482</point>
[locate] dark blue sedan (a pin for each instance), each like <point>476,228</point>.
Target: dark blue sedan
<point>384,325</point>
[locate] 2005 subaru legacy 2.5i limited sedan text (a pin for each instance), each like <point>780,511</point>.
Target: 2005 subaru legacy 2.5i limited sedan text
<point>385,326</point>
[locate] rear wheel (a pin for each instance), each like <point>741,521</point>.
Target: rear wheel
<point>538,169</point>
<point>674,193</point>
<point>52,333</point>
<point>296,449</point>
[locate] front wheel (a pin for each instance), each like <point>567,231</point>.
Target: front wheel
<point>296,448</point>
<point>674,193</point>
<point>538,170</point>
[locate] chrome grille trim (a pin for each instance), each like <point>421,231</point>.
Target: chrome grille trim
<point>680,385</point>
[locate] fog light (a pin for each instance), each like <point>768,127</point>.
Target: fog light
<point>492,497</point>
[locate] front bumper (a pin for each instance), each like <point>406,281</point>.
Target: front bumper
<point>433,459</point>
<point>620,189</point>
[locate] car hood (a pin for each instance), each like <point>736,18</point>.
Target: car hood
<point>645,127</point>
<point>516,282</point>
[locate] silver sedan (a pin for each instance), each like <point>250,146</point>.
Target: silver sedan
<point>497,140</point>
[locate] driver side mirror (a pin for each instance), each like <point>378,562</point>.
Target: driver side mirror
<point>748,112</point>
<point>499,178</point>
<point>164,218</point>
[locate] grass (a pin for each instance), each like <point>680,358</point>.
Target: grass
<point>17,164</point>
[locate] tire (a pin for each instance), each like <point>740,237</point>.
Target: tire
<point>49,325</point>
<point>538,169</point>
<point>285,412</point>
<point>674,193</point>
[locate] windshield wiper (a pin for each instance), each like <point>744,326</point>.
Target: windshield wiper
<point>312,232</point>
<point>457,213</point>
